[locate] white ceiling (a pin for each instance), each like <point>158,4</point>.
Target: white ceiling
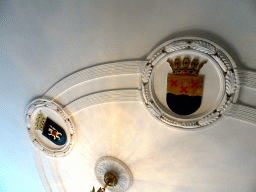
<point>42,42</point>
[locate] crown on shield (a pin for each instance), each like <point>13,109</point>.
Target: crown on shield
<point>40,120</point>
<point>186,67</point>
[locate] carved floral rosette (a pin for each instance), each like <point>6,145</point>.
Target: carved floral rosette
<point>202,46</point>
<point>123,173</point>
<point>56,108</point>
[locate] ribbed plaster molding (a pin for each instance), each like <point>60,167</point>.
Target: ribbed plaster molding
<point>41,170</point>
<point>103,97</point>
<point>48,171</point>
<point>242,113</point>
<point>104,70</point>
<point>56,175</point>
<point>128,81</point>
<point>247,78</point>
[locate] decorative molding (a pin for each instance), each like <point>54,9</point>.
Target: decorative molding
<point>39,163</point>
<point>225,105</point>
<point>104,70</point>
<point>111,164</point>
<point>230,83</point>
<point>225,59</point>
<point>153,109</point>
<point>146,73</point>
<point>103,97</point>
<point>175,46</point>
<point>39,103</point>
<point>55,173</point>
<point>220,62</point>
<point>248,78</point>
<point>209,119</point>
<point>242,113</point>
<point>204,46</point>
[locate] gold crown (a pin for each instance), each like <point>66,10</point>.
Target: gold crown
<point>40,120</point>
<point>186,67</point>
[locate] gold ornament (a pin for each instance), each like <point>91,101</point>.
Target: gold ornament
<point>110,180</point>
<point>40,120</point>
<point>186,67</point>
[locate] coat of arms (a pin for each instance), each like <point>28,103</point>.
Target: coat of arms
<point>184,86</point>
<point>51,130</point>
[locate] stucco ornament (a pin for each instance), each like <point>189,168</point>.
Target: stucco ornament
<point>219,90</point>
<point>123,173</point>
<point>49,127</point>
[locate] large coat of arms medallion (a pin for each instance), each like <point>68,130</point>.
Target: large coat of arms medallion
<point>184,86</point>
<point>189,82</point>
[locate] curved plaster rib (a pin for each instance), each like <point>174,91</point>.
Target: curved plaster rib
<point>56,175</point>
<point>39,163</point>
<point>103,97</point>
<point>104,70</point>
<point>248,78</point>
<point>116,82</point>
<point>242,113</point>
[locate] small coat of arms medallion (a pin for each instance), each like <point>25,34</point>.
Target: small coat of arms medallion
<point>51,130</point>
<point>184,86</point>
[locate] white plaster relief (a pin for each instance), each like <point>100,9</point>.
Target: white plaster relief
<point>46,104</point>
<point>40,166</point>
<point>106,164</point>
<point>176,45</point>
<point>202,46</point>
<point>243,113</point>
<point>104,70</point>
<point>103,97</point>
<point>248,78</point>
<point>116,82</point>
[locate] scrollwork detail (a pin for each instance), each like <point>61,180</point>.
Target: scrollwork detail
<point>225,59</point>
<point>146,95</point>
<point>153,108</point>
<point>209,119</point>
<point>156,56</point>
<point>204,47</point>
<point>230,83</point>
<point>177,45</point>
<point>146,73</point>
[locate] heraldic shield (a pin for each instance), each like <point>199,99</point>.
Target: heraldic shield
<point>51,130</point>
<point>184,86</point>
<point>54,132</point>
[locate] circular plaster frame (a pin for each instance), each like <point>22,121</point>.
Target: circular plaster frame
<point>222,60</point>
<point>39,141</point>
<point>123,173</point>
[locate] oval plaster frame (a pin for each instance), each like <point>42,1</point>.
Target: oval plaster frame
<point>58,152</point>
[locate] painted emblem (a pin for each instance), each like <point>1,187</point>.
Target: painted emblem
<point>51,130</point>
<point>184,86</point>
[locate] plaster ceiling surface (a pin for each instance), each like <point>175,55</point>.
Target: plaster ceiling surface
<point>42,42</point>
<point>217,158</point>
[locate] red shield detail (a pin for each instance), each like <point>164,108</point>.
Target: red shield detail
<point>184,93</point>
